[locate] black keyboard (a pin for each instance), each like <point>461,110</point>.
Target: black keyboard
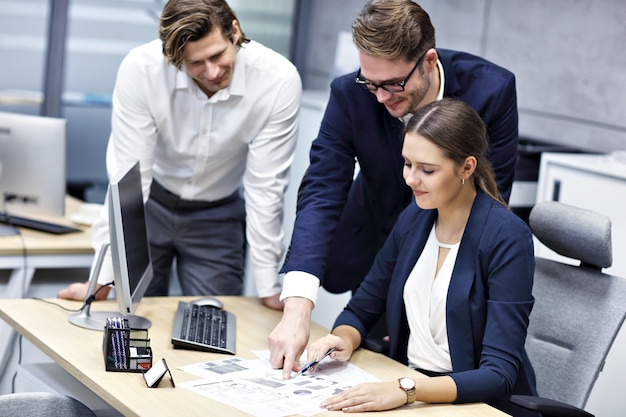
<point>39,225</point>
<point>203,327</point>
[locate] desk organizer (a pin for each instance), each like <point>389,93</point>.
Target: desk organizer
<point>125,349</point>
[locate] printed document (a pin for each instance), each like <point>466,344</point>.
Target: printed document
<point>255,387</point>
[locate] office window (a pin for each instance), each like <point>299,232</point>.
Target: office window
<point>22,47</point>
<point>98,34</point>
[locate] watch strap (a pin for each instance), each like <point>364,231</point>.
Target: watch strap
<point>410,392</point>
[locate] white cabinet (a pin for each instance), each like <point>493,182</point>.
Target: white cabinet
<point>595,182</point>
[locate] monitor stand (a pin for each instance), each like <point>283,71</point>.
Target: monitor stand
<point>96,320</point>
<point>6,230</point>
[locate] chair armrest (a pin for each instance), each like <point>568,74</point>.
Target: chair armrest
<point>549,408</point>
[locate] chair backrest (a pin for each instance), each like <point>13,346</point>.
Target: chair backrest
<point>578,309</point>
<point>42,404</point>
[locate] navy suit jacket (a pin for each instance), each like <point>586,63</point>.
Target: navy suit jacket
<point>341,224</point>
<point>488,305</point>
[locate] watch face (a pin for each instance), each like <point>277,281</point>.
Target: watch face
<point>407,383</point>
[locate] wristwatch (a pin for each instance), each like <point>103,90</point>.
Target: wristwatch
<point>408,386</point>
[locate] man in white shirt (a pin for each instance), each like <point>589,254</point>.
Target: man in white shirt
<point>205,110</point>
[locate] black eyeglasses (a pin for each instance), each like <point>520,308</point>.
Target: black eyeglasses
<point>397,87</point>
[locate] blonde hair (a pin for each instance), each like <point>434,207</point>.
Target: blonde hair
<point>393,29</point>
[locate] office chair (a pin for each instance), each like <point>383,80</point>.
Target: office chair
<point>42,404</point>
<point>578,310</point>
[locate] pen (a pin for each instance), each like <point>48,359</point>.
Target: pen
<point>315,362</point>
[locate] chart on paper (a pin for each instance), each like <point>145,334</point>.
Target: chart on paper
<point>254,387</point>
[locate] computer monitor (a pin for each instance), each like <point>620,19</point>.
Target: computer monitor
<point>130,253</point>
<point>32,156</point>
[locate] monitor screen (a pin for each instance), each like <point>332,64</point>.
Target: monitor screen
<point>130,253</point>
<point>32,156</point>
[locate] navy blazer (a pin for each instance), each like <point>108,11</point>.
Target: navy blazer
<point>488,304</point>
<point>341,224</point>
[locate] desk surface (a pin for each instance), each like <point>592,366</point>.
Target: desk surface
<point>79,351</point>
<point>41,243</point>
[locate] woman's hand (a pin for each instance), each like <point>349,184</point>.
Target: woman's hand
<point>368,396</point>
<point>317,349</point>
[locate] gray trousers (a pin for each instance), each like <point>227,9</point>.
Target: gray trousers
<point>208,245</point>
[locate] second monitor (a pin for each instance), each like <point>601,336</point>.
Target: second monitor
<point>130,253</point>
<point>32,157</point>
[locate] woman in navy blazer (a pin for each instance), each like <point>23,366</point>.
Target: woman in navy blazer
<point>342,221</point>
<point>486,304</point>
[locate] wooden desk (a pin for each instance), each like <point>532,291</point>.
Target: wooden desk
<point>79,351</point>
<point>23,254</point>
<point>29,250</point>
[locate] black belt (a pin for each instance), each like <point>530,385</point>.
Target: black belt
<point>173,201</point>
<point>430,373</point>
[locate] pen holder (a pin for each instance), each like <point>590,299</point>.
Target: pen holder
<point>125,349</point>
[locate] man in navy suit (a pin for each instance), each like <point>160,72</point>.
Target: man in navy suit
<point>343,221</point>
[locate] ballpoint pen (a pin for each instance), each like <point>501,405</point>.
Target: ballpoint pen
<point>311,364</point>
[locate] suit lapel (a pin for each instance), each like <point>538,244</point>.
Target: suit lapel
<point>451,85</point>
<point>461,315</point>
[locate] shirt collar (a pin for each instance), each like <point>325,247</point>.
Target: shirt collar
<point>442,79</point>
<point>237,86</point>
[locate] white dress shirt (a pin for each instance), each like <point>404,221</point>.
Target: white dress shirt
<point>205,148</point>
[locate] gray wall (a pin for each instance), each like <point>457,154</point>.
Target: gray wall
<point>567,56</point>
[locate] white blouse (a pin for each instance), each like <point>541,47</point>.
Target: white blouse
<point>425,301</point>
